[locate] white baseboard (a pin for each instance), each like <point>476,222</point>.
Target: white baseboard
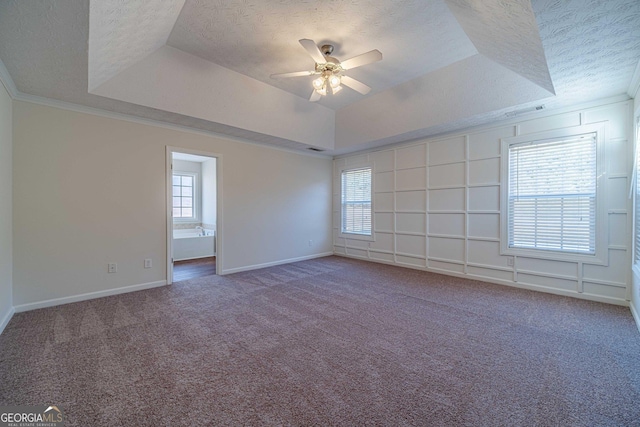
<point>7,317</point>
<point>87,296</point>
<point>271,264</point>
<point>635,314</point>
<point>538,288</point>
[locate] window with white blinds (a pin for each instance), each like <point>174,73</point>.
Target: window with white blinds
<point>356,201</point>
<point>552,194</point>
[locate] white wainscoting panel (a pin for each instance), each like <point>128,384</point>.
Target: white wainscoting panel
<point>437,207</point>
<point>450,199</point>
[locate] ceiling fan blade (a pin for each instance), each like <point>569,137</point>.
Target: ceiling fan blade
<point>315,96</point>
<point>294,74</point>
<point>355,85</point>
<point>313,50</point>
<point>360,60</point>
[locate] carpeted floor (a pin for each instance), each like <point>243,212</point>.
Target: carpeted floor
<point>331,341</point>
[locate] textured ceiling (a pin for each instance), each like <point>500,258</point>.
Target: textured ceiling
<point>259,38</point>
<point>582,50</point>
<point>592,46</point>
<point>120,34</point>
<point>507,33</point>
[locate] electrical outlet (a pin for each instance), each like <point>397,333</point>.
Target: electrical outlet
<point>510,261</point>
<point>310,242</point>
<point>112,267</point>
<point>148,263</point>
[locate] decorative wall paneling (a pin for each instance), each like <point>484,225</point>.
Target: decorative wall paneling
<point>437,207</point>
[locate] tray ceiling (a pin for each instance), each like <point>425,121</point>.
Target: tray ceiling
<point>259,38</point>
<point>447,64</point>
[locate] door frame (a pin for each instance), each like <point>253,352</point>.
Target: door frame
<point>169,206</point>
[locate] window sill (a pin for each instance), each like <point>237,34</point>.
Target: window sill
<point>597,259</point>
<point>354,236</point>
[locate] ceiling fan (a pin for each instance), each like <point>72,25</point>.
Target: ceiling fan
<point>330,71</point>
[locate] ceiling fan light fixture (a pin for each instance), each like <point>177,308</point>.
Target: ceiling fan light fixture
<point>329,70</point>
<point>318,83</point>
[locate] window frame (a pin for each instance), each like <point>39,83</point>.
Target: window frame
<point>600,257</point>
<point>357,236</point>
<point>196,197</point>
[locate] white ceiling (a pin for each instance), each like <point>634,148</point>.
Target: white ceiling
<point>260,38</point>
<point>447,64</point>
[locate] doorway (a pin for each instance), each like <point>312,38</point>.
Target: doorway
<point>194,223</point>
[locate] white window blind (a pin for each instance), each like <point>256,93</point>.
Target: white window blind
<point>356,201</point>
<point>552,194</point>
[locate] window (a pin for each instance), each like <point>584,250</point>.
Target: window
<point>356,202</point>
<point>184,190</point>
<point>552,193</point>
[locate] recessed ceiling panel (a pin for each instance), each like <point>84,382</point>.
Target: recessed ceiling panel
<point>507,33</point>
<point>258,38</point>
<point>122,33</point>
<point>172,80</point>
<point>468,88</point>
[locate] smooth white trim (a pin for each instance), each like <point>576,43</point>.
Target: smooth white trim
<point>271,264</point>
<point>168,167</point>
<point>6,319</point>
<point>601,256</point>
<point>88,296</point>
<point>7,81</point>
<point>562,292</point>
<point>219,231</point>
<point>48,102</point>
<point>368,164</point>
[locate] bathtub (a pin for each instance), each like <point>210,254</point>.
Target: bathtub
<point>191,244</point>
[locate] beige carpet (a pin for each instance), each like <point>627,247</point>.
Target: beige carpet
<point>331,341</point>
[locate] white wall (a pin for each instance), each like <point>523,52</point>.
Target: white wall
<point>80,203</point>
<point>209,193</point>
<point>437,207</point>
<point>6,277</point>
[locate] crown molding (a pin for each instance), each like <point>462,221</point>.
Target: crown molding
<point>7,81</point>
<point>16,95</point>
<point>63,105</point>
